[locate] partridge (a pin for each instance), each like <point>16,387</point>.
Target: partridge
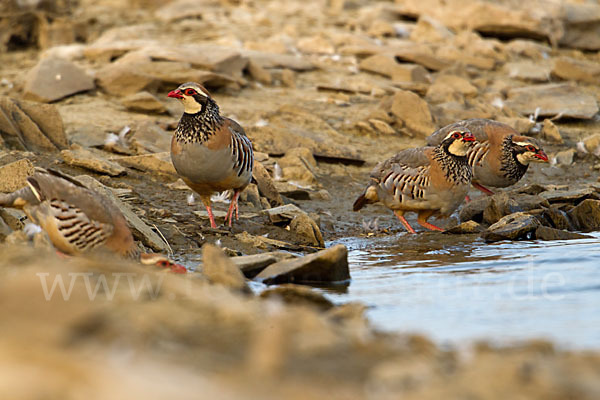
<point>428,180</point>
<point>210,152</point>
<point>501,156</point>
<point>77,219</point>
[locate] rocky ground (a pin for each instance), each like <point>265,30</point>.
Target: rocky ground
<point>324,89</point>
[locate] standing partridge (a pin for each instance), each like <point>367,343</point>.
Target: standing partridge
<point>427,180</point>
<point>211,153</point>
<point>77,219</point>
<point>501,156</point>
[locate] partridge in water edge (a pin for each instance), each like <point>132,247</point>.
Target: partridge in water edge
<point>428,180</point>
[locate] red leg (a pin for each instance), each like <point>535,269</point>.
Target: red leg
<point>422,220</point>
<point>467,199</point>
<point>237,207</point>
<point>400,216</point>
<point>432,227</point>
<point>482,188</point>
<point>233,207</point>
<point>206,201</point>
<point>211,217</point>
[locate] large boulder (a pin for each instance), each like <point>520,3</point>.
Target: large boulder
<point>517,226</point>
<point>586,215</point>
<point>55,78</point>
<point>326,266</point>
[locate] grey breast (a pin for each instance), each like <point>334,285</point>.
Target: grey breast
<point>200,164</point>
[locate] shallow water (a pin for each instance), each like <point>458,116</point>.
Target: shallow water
<point>457,291</point>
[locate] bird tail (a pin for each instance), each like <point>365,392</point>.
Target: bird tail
<point>367,197</point>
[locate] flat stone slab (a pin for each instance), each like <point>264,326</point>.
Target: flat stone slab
<point>326,266</point>
<point>31,125</point>
<point>158,163</point>
<point>56,78</point>
<point>547,233</point>
<point>572,195</point>
<point>253,264</point>
<point>553,99</point>
<point>144,102</point>
<point>80,157</point>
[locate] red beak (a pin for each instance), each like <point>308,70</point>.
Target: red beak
<point>178,269</point>
<point>175,94</point>
<point>468,137</point>
<point>541,155</point>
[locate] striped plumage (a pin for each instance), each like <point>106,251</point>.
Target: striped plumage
<point>427,180</point>
<point>77,219</point>
<point>210,152</point>
<point>501,157</point>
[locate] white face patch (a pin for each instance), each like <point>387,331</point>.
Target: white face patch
<point>190,105</point>
<point>458,148</point>
<point>523,159</point>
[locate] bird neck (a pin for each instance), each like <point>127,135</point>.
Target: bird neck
<point>510,165</point>
<point>456,168</point>
<point>199,127</point>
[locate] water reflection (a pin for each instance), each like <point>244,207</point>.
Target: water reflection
<point>456,288</point>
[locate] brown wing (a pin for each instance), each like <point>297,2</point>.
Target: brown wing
<point>481,128</point>
<point>413,158</point>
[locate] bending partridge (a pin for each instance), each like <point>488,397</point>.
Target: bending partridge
<point>501,156</point>
<point>211,153</point>
<point>77,219</point>
<point>428,180</point>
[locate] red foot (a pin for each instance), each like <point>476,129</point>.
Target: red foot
<point>211,217</point>
<point>404,222</point>
<point>429,226</point>
<point>233,207</point>
<point>467,199</point>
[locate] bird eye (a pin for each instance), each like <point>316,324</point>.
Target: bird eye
<point>456,135</point>
<point>163,263</point>
<point>531,148</point>
<point>190,92</point>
